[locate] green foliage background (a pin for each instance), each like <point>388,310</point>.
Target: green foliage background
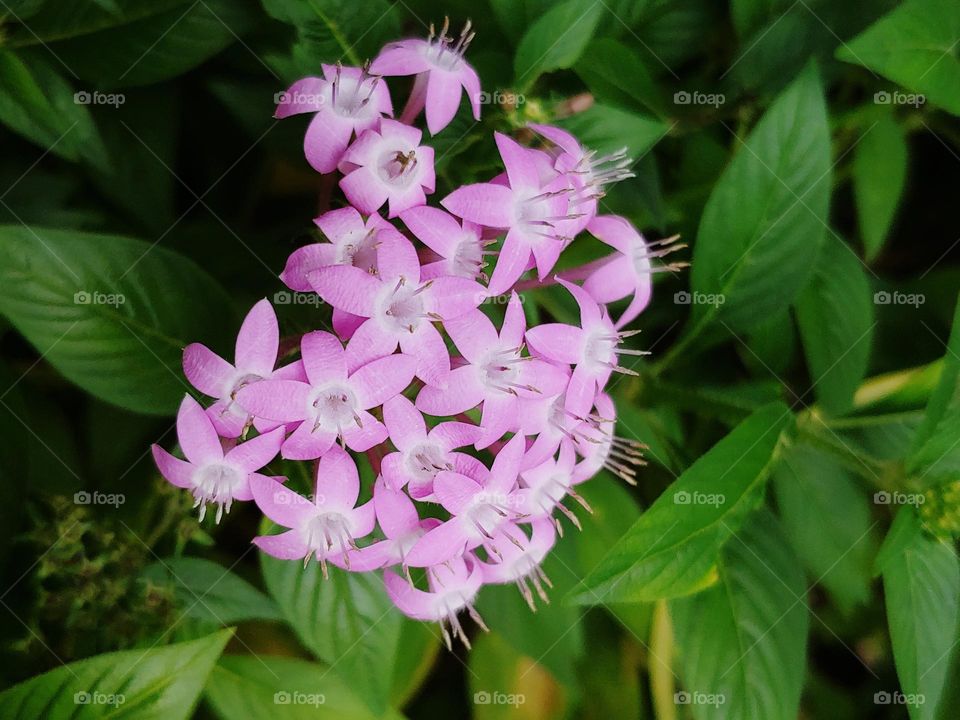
<point>806,368</point>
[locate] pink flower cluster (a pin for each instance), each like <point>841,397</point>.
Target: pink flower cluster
<point>384,381</point>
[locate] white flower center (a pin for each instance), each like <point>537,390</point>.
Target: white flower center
<point>399,167</point>
<point>425,460</point>
<point>216,483</point>
<point>334,408</point>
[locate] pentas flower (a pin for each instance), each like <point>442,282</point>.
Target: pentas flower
<point>519,562</point>
<point>400,309</point>
<point>453,587</point>
<point>346,101</point>
<point>420,454</point>
<point>592,348</point>
<point>387,164</point>
<point>533,213</point>
<point>460,244</point>
<point>495,373</point>
<point>478,510</point>
<point>546,486</point>
<point>600,447</point>
<point>629,271</point>
<point>255,355</point>
<point>209,474</point>
<point>334,402</point>
<point>441,73</point>
<point>325,527</point>
<point>587,173</point>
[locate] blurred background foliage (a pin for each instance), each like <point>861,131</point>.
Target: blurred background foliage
<point>806,151</point>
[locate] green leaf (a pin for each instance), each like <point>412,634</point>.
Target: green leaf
<point>62,291</point>
<point>208,591</point>
<point>160,682</point>
<point>607,129</point>
<point>72,18</point>
<point>935,455</point>
<point>37,103</point>
<point>556,40</point>
<point>879,176</point>
<point>915,45</point>
<point>835,314</point>
<point>346,620</point>
<point>827,518</point>
<point>615,74</point>
<point>765,220</point>
<point>745,640</point>
<point>921,585</point>
<point>265,688</point>
<point>672,548</point>
<point>770,347</point>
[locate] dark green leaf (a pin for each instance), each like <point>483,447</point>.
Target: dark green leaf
<point>556,40</point>
<point>615,74</point>
<point>607,129</point>
<point>879,175</point>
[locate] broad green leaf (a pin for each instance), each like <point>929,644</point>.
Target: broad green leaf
<point>615,74</point>
<point>161,683</point>
<point>914,45</point>
<point>66,19</point>
<point>879,175</point>
<point>556,40</point>
<point>672,548</point>
<point>921,585</point>
<point>835,316</point>
<point>208,591</point>
<point>770,347</point>
<point>110,313</point>
<point>39,104</point>
<point>346,620</point>
<point>743,642</point>
<point>750,15</point>
<point>421,645</point>
<point>827,519</point>
<point>765,220</point>
<point>607,129</point>
<point>263,687</point>
<point>610,673</point>
<point>935,455</point>
<point>158,47</point>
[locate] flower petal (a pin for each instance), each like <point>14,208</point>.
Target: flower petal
<point>474,335</point>
<point>198,438</point>
<point>305,443</point>
<point>174,470</point>
<point>511,264</point>
<point>556,341</point>
<point>253,454</point>
<point>279,400</point>
<point>443,99</point>
<point>361,439</point>
<point>463,392</point>
<point>518,160</point>
<point>258,340</point>
<point>338,482</point>
<point>279,503</point>
<point>364,189</point>
<point>435,228</point>
<point>483,203</point>
<point>207,372</point>
<point>305,260</point>
<point>395,511</point>
<point>323,357</point>
<point>379,380</point>
<point>446,541</point>
<point>325,141</point>
<point>427,346</point>
<point>346,288</point>
<point>404,422</point>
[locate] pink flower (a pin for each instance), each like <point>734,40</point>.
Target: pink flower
<point>453,587</point>
<point>495,373</point>
<point>629,271</point>
<point>602,449</point>
<point>334,402</point>
<point>421,455</point>
<point>535,215</point>
<point>401,309</point>
<point>545,487</point>
<point>478,510</point>
<point>387,165</point>
<point>346,101</point>
<point>460,245</point>
<point>519,561</point>
<point>256,353</point>
<point>548,421</point>
<point>211,475</point>
<point>326,527</point>
<point>441,72</point>
<point>592,348</point>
